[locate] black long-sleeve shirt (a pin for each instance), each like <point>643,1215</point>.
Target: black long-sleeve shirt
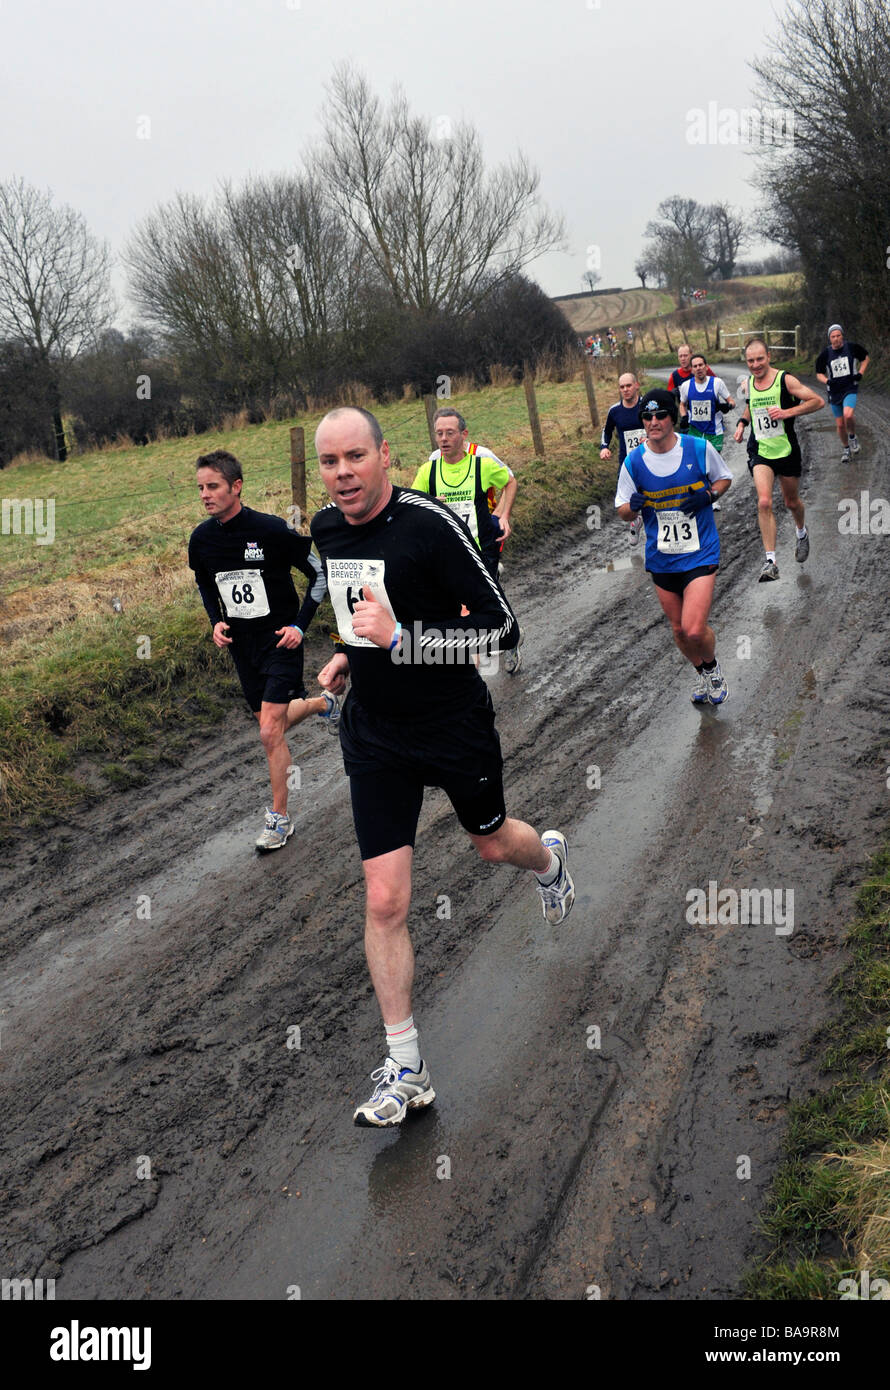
<point>421,563</point>
<point>243,571</point>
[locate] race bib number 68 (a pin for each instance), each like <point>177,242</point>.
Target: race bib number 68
<point>243,593</point>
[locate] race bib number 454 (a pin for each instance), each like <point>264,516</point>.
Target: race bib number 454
<point>346,584</point>
<point>243,593</point>
<point>677,533</point>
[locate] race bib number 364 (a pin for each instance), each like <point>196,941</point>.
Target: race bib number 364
<point>346,585</point>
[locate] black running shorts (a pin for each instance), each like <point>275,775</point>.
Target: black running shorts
<point>791,466</point>
<point>390,763</point>
<point>266,671</point>
<point>675,581</point>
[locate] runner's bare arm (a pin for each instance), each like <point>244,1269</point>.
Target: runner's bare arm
<point>809,401</point>
<point>505,506</point>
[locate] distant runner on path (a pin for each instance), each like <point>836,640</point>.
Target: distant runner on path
<point>242,561</point>
<point>672,480</point>
<point>623,419</point>
<point>464,476</point>
<point>400,568</point>
<point>841,366</point>
<point>683,370</point>
<point>704,400</point>
<point>774,400</point>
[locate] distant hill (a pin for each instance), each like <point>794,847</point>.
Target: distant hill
<point>586,313</point>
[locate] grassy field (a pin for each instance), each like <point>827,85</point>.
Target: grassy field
<point>85,701</point>
<point>828,1216</point>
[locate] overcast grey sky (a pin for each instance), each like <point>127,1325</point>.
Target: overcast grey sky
<point>596,94</point>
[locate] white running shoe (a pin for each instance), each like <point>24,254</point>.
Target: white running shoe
<point>854,444</point>
<point>718,690</point>
<point>398,1090</point>
<point>557,897</point>
<point>701,689</point>
<point>636,527</point>
<point>768,570</point>
<point>845,456</point>
<point>331,715</point>
<point>513,658</point>
<point>277,831</point>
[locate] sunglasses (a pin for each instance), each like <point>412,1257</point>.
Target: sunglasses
<point>654,415</point>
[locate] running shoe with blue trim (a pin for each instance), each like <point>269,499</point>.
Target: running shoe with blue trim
<point>557,897</point>
<point>398,1090</point>
<point>277,831</point>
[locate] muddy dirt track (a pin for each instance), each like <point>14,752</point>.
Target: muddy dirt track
<point>126,1039</point>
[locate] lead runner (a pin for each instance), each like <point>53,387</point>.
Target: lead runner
<point>400,566</point>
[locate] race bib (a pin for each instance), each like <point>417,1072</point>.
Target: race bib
<point>700,410</point>
<point>677,534</point>
<point>243,594</point>
<point>346,583</point>
<point>633,438</point>
<point>467,513</point>
<point>763,425</point>
<point>840,366</point>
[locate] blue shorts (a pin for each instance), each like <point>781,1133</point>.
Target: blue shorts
<point>849,403</point>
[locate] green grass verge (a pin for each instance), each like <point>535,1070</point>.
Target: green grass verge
<point>828,1213</point>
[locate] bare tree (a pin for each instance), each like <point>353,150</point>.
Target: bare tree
<point>726,237</point>
<point>438,228</point>
<point>827,189</point>
<point>591,279</point>
<point>258,286</point>
<point>55,293</point>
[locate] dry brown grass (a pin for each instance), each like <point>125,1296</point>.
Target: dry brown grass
<point>863,1209</point>
<point>235,420</point>
<point>499,375</point>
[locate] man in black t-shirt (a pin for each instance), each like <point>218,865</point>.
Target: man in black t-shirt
<point>400,568</point>
<point>841,366</point>
<point>242,561</point>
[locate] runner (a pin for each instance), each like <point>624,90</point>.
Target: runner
<point>672,480</point>
<point>623,419</point>
<point>400,567</point>
<point>704,400</point>
<point>463,475</point>
<point>683,371</point>
<point>242,561</point>
<point>841,366</point>
<point>773,400</point>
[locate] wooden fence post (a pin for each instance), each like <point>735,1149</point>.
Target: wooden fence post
<point>534,419</point>
<point>591,396</point>
<point>298,471</point>
<point>430,405</point>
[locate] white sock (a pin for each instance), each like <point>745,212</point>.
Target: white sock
<point>771,556</point>
<point>402,1045</point>
<point>549,875</point>
<point>801,532</point>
